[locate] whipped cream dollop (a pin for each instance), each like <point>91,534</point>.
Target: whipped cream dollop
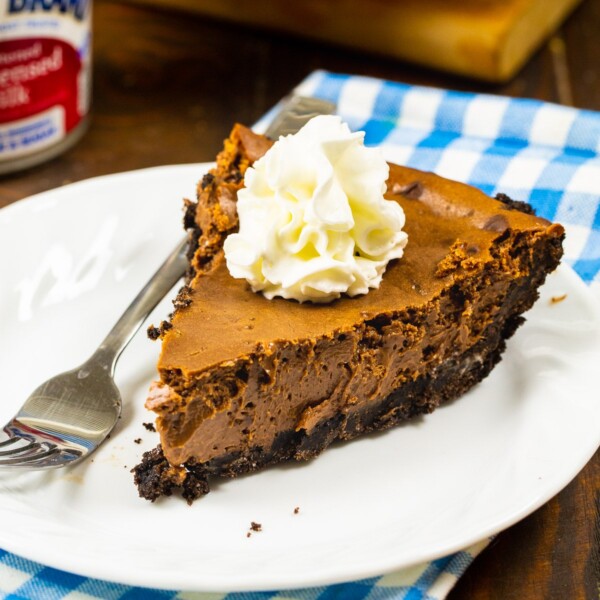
<point>313,220</point>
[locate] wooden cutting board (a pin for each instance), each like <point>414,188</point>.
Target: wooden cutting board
<point>485,39</point>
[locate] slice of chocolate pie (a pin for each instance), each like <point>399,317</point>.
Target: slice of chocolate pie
<point>247,382</point>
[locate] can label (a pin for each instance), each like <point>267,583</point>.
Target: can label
<point>44,72</point>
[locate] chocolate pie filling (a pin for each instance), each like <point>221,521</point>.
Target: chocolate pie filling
<point>246,382</point>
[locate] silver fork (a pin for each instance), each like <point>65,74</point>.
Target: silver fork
<point>69,416</point>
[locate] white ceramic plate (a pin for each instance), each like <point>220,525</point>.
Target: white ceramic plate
<point>73,258</point>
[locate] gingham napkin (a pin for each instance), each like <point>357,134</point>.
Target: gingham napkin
<point>534,151</point>
<point>530,150</point>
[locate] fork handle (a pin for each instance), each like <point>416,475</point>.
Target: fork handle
<point>168,274</point>
<point>295,112</point>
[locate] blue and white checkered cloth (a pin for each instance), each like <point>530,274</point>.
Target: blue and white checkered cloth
<point>535,151</point>
<point>22,579</point>
<point>542,153</point>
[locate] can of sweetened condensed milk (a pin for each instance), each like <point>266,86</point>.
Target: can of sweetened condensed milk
<point>45,78</point>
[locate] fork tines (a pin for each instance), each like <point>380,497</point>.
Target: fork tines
<point>17,451</point>
<point>25,449</point>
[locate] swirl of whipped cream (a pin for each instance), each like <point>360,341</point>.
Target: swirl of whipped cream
<point>313,220</point>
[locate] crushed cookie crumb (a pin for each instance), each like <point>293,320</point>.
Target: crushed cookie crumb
<point>189,214</point>
<point>296,510</point>
<point>255,526</point>
<point>235,176</point>
<point>137,441</point>
<point>153,332</point>
<point>149,427</point>
<point>183,299</point>
<point>155,477</point>
<point>557,299</point>
<point>248,534</point>
<point>207,179</point>
<point>511,204</point>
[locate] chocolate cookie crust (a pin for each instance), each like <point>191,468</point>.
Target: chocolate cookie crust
<point>246,382</point>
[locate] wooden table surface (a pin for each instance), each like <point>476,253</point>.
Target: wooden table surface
<point>167,88</point>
